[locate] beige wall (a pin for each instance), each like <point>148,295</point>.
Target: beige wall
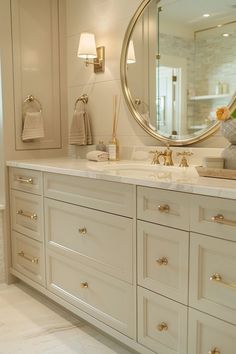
<point>108,19</point>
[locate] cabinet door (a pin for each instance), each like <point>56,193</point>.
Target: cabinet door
<point>162,323</point>
<point>163,207</point>
<point>35,34</point>
<point>163,260</point>
<point>213,216</point>
<point>26,180</point>
<point>108,299</point>
<point>213,276</point>
<point>28,257</point>
<point>27,214</point>
<point>208,335</point>
<point>101,240</point>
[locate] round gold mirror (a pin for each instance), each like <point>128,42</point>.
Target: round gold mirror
<point>178,65</point>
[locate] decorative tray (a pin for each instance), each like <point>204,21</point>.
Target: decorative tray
<point>216,172</point>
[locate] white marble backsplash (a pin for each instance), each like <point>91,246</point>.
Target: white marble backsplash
<point>143,153</point>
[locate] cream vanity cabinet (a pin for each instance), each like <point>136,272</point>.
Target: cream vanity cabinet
<point>27,224</point>
<point>155,267</point>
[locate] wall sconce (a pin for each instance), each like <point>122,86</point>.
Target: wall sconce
<point>131,59</point>
<point>87,50</point>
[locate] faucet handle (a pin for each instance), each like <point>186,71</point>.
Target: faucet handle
<point>183,161</point>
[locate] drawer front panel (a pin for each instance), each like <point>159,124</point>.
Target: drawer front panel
<point>213,277</point>
<point>213,216</point>
<point>163,260</point>
<point>210,335</point>
<point>28,257</point>
<point>112,197</point>
<point>27,214</point>
<point>95,238</point>
<point>26,180</point>
<point>109,300</point>
<point>162,323</point>
<point>163,207</point>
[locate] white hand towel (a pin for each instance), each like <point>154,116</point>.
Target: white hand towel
<point>97,155</point>
<point>80,131</point>
<point>33,127</point>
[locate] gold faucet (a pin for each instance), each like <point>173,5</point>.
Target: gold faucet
<point>184,154</point>
<point>167,157</point>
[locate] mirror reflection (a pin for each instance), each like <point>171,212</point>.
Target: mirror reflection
<point>181,65</point>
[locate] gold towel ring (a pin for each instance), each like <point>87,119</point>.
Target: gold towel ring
<point>31,98</point>
<point>83,98</point>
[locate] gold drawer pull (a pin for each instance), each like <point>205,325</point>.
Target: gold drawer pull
<point>214,351</point>
<point>220,219</point>
<point>84,285</point>
<point>25,180</point>
<point>26,215</point>
<point>162,327</point>
<point>162,261</point>
<point>30,259</point>
<point>164,208</point>
<point>83,231</point>
<point>216,277</point>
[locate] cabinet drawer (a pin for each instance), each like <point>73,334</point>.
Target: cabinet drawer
<point>163,207</point>
<point>163,260</point>
<point>213,276</point>
<point>28,257</point>
<point>214,216</point>
<point>27,214</point>
<point>103,241</point>
<point>209,335</point>
<point>26,180</point>
<point>112,197</point>
<point>162,323</point>
<point>109,300</point>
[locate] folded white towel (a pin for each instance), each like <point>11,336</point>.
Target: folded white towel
<point>80,131</point>
<point>33,127</point>
<point>97,155</point>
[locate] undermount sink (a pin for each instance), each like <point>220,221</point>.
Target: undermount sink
<point>155,172</point>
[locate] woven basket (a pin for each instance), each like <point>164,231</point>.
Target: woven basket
<point>228,130</point>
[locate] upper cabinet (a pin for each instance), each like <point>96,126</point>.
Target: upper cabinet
<point>36,29</point>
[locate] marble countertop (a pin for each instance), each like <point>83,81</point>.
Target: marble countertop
<point>137,173</point>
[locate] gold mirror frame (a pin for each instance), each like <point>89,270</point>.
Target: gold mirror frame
<point>128,98</point>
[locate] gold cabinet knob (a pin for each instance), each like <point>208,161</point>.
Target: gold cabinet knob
<point>214,351</point>
<point>83,231</point>
<point>163,208</point>
<point>84,285</point>
<point>162,327</point>
<point>162,261</point>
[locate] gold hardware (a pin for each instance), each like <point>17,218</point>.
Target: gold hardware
<point>32,260</point>
<point>84,285</point>
<point>163,208</point>
<point>162,261</point>
<point>220,219</point>
<point>216,277</point>
<point>26,215</point>
<point>214,351</point>
<point>162,327</point>
<point>167,156</point>
<point>83,98</point>
<point>184,162</point>
<point>25,180</point>
<point>30,99</point>
<point>83,230</point>
<point>99,62</point>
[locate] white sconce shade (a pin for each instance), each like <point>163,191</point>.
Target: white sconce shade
<point>87,46</point>
<point>131,59</point>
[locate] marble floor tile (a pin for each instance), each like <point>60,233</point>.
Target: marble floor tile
<point>33,324</point>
